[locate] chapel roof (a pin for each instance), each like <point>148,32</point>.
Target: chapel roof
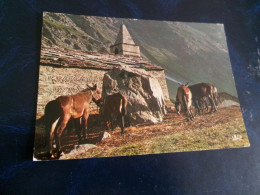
<point>63,57</point>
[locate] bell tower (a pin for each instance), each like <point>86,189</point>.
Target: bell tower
<point>124,44</point>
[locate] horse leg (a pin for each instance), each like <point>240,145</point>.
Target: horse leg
<point>111,122</point>
<point>123,124</point>
<point>79,126</point>
<point>197,106</point>
<point>48,140</point>
<point>191,113</point>
<point>85,123</point>
<point>62,124</point>
<point>108,125</point>
<point>51,135</point>
<point>121,120</point>
<point>205,100</point>
<point>213,106</point>
<point>201,106</point>
<point>188,115</point>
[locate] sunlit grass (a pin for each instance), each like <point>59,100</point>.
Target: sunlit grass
<point>227,135</point>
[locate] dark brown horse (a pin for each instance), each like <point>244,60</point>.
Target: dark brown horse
<point>202,105</point>
<point>114,108</point>
<point>201,90</point>
<point>184,101</point>
<point>58,112</point>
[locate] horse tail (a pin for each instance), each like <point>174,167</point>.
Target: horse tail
<point>41,120</point>
<point>187,105</point>
<point>212,99</point>
<point>51,114</point>
<point>216,96</point>
<point>184,99</point>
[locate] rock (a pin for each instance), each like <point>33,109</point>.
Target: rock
<point>78,149</point>
<point>106,135</point>
<point>143,92</point>
<point>227,103</point>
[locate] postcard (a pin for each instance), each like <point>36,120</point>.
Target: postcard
<point>121,87</point>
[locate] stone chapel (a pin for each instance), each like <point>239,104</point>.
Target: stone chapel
<point>66,71</point>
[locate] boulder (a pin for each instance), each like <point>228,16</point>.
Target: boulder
<point>105,135</point>
<point>143,92</point>
<point>78,150</point>
<point>228,103</point>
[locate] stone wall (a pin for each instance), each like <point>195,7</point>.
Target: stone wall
<point>54,82</point>
<point>160,76</point>
<point>131,50</point>
<point>126,49</point>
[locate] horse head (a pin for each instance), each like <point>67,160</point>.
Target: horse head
<point>96,94</point>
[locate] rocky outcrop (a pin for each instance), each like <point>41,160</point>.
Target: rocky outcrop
<point>143,92</point>
<point>78,150</point>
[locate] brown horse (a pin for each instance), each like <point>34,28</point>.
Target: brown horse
<point>184,101</point>
<point>58,112</point>
<point>115,108</point>
<point>201,90</point>
<point>202,105</point>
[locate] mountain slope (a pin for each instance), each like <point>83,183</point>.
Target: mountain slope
<point>189,52</point>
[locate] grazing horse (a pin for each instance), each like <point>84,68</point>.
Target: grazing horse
<point>202,105</point>
<point>114,107</point>
<point>184,101</point>
<point>58,112</point>
<point>202,90</point>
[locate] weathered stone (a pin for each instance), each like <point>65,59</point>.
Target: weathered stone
<point>143,92</point>
<point>78,150</point>
<point>106,135</point>
<point>227,103</point>
<point>54,82</point>
<point>125,44</point>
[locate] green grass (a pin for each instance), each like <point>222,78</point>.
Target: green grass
<point>207,138</point>
<point>217,137</point>
<point>60,26</point>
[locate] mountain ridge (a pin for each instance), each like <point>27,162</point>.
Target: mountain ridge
<point>189,52</point>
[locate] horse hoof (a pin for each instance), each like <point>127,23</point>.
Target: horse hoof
<point>48,155</point>
<point>56,155</point>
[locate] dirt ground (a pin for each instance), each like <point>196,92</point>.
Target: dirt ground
<point>171,124</point>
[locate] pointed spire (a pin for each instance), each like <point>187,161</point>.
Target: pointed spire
<point>124,36</point>
<point>125,44</point>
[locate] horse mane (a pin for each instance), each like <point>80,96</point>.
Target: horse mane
<point>85,90</point>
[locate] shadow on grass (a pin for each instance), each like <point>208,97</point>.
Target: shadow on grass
<point>69,137</point>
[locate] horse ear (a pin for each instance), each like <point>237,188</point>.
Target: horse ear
<point>95,87</point>
<point>90,87</point>
<point>187,84</point>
